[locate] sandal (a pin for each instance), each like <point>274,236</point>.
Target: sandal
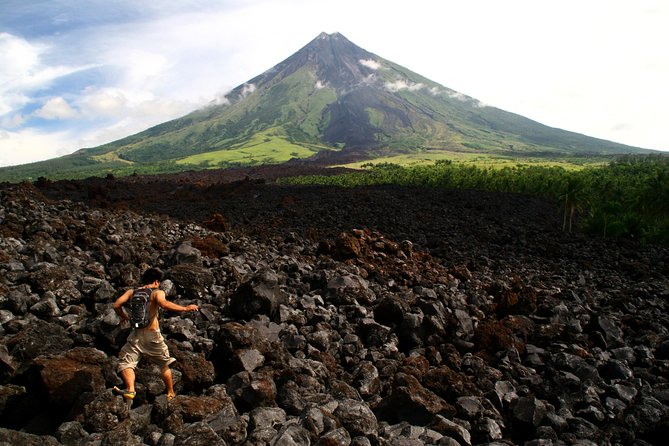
<point>124,393</point>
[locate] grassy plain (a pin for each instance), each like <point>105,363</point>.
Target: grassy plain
<point>495,161</point>
<point>268,147</point>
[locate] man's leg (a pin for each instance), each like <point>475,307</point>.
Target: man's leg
<point>166,374</point>
<point>161,354</point>
<point>128,359</point>
<point>128,376</point>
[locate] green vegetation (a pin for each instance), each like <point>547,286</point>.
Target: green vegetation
<point>269,147</point>
<point>497,161</point>
<point>376,117</point>
<point>52,170</point>
<point>628,197</point>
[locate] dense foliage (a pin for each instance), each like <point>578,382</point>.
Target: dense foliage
<point>627,198</point>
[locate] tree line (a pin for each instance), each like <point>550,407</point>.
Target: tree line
<point>628,197</point>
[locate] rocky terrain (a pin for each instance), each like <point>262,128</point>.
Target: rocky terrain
<point>367,316</point>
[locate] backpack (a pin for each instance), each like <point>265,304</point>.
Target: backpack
<point>139,308</point>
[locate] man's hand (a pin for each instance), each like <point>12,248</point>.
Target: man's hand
<point>123,316</point>
<point>192,307</point>
<point>118,306</point>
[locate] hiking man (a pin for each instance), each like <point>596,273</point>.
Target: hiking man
<point>145,340</point>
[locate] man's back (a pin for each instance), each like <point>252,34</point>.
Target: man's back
<point>153,310</point>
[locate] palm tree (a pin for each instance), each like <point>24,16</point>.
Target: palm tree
<point>572,200</point>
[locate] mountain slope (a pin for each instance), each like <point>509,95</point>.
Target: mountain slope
<point>333,97</point>
<point>333,93</point>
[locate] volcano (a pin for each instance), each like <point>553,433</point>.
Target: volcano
<point>333,101</point>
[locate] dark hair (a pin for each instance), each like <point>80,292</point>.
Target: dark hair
<point>151,275</point>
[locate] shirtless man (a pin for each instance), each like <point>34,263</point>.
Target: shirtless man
<point>146,342</point>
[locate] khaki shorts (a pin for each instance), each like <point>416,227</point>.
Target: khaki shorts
<point>144,343</point>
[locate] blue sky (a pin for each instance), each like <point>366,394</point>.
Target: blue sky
<point>80,73</point>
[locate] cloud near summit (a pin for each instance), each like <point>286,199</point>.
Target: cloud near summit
<point>370,63</point>
<point>401,84</point>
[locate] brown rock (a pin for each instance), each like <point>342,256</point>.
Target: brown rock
<point>410,401</point>
<point>196,371</point>
<point>67,376</point>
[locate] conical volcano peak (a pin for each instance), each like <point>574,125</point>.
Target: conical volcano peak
<point>325,35</point>
<point>333,100</point>
<point>333,36</point>
<point>335,43</point>
<point>335,59</point>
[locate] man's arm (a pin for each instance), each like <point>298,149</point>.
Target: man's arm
<point>162,302</point>
<point>118,305</point>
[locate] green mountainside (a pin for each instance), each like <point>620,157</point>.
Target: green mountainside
<point>330,102</point>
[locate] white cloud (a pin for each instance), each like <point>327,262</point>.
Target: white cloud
<point>401,84</point>
<point>464,98</point>
<point>370,63</point>
<point>18,60</point>
<point>12,121</point>
<point>220,99</point>
<point>435,91</point>
<point>103,102</point>
<point>189,56</point>
<point>248,89</point>
<point>457,95</point>
<point>27,146</point>
<point>56,108</point>
<point>23,71</point>
<point>30,145</point>
<point>117,129</point>
<point>17,56</point>
<point>144,67</point>
<point>158,110</point>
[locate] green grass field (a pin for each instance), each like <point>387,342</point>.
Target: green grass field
<point>479,160</point>
<point>268,147</point>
